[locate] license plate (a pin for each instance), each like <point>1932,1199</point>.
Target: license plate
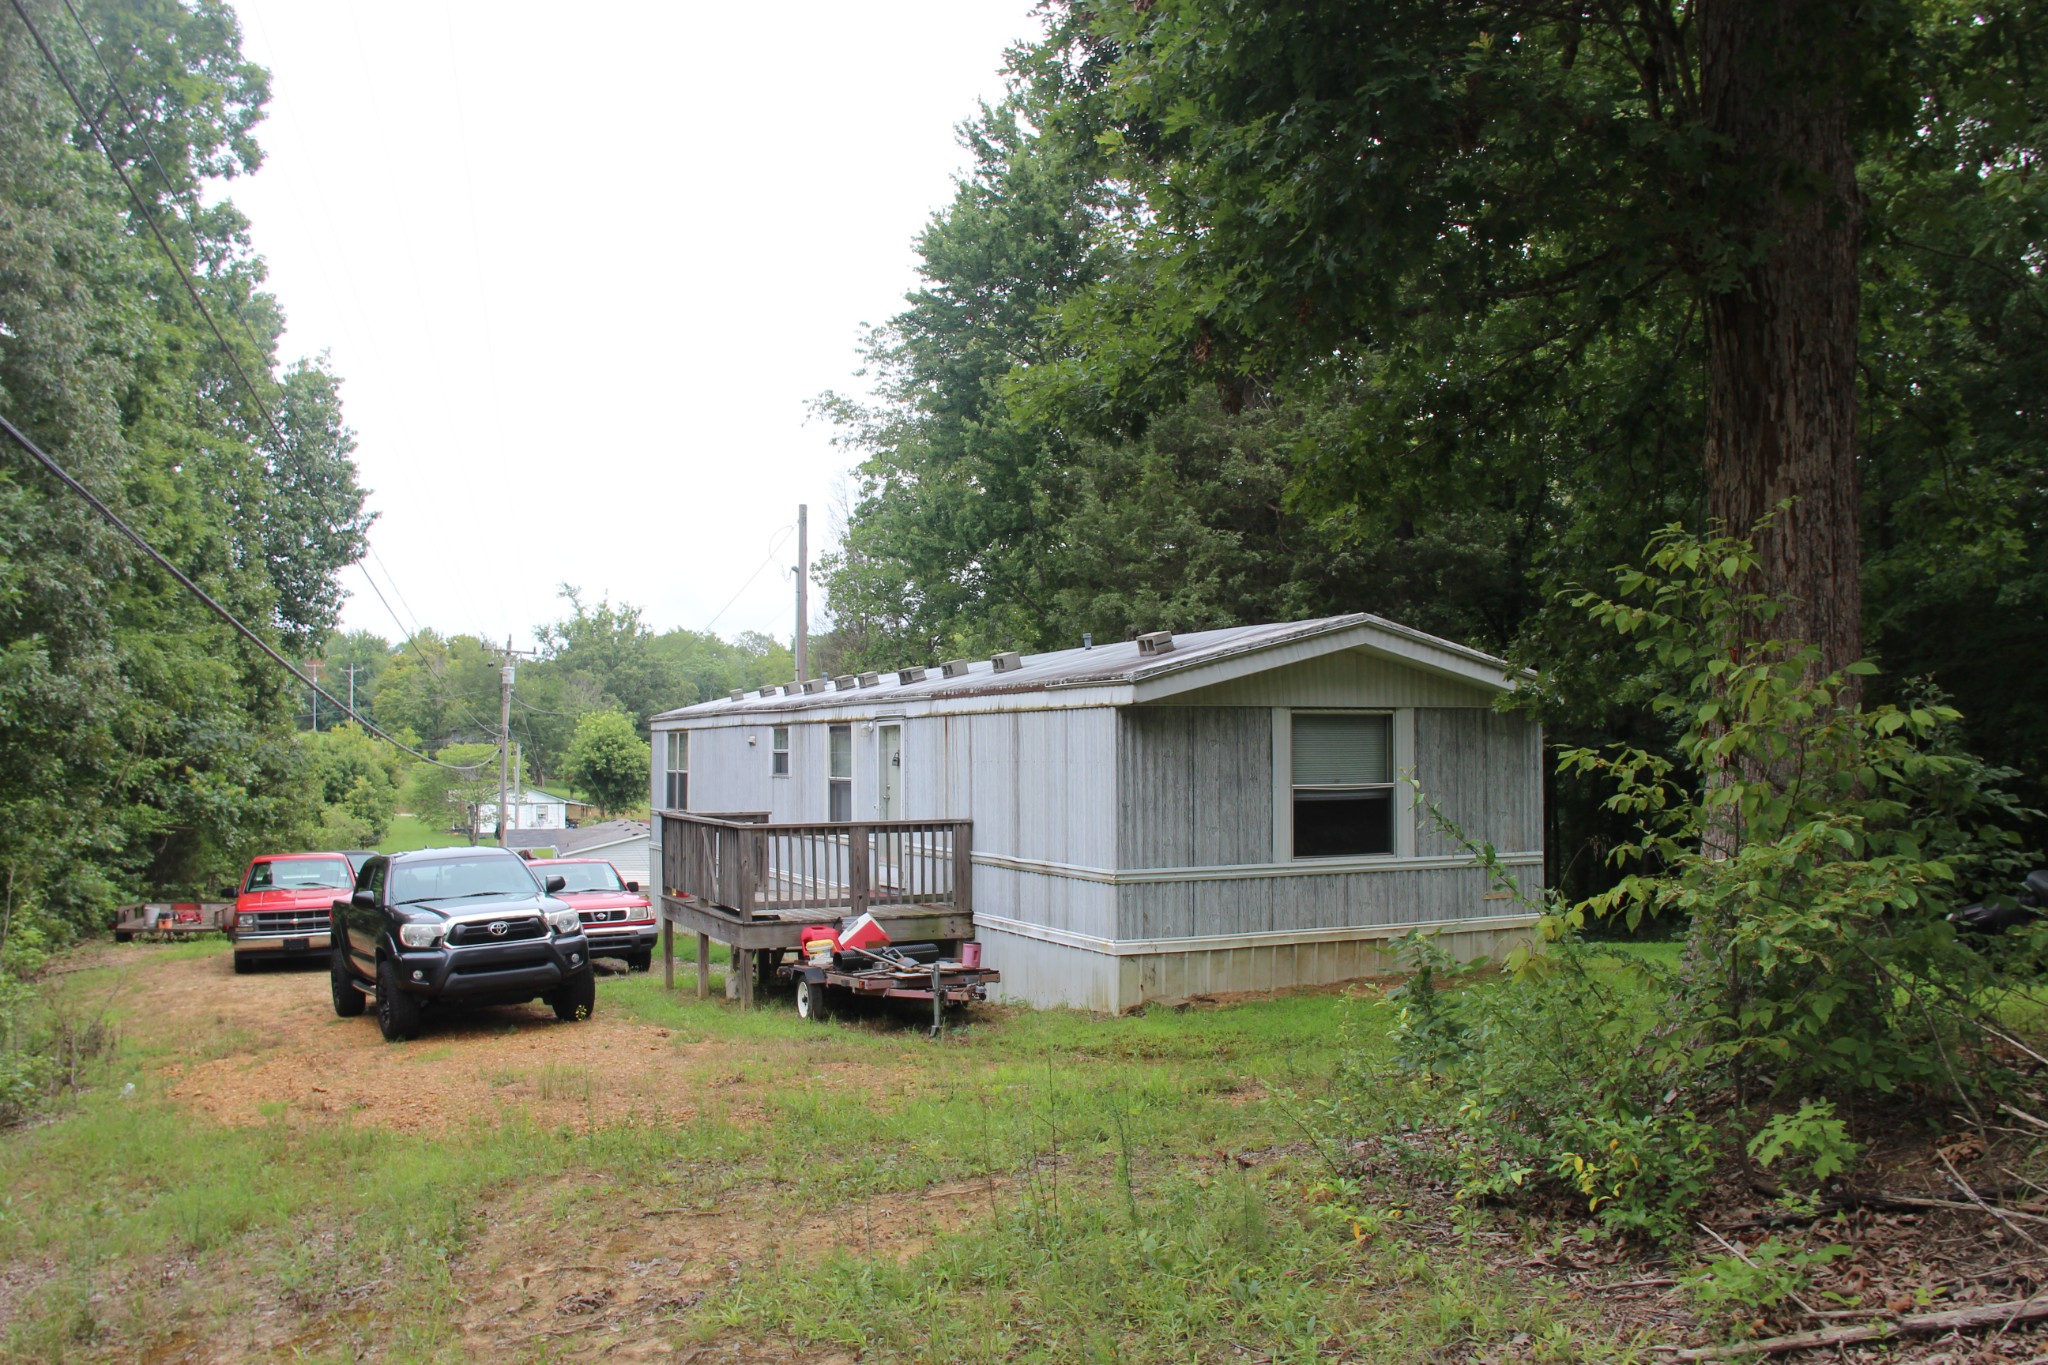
<point>295,945</point>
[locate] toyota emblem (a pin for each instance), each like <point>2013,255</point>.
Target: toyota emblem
<point>499,928</point>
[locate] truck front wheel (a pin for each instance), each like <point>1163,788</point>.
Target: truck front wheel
<point>575,998</point>
<point>398,1014</point>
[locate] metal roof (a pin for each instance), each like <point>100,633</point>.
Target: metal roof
<point>1123,663</point>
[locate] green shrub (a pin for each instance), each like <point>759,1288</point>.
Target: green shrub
<point>1813,848</point>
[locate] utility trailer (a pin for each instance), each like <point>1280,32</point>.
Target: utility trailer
<point>171,919</point>
<point>822,987</point>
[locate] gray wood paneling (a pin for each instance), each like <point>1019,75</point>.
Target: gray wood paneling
<point>1195,786</point>
<point>1485,770</point>
<point>1353,677</point>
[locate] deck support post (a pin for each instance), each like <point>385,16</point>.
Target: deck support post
<point>743,966</point>
<point>703,966</point>
<point>668,951</point>
<point>859,869</point>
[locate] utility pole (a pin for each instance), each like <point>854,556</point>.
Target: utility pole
<point>353,669</point>
<point>803,574</point>
<point>505,735</point>
<point>313,667</point>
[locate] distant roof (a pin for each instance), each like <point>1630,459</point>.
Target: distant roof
<point>584,838</point>
<point>1125,663</point>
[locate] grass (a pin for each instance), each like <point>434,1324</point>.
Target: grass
<point>409,832</point>
<point>1149,1195</point>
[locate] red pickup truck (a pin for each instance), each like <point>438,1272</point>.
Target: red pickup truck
<point>617,918</point>
<point>282,909</point>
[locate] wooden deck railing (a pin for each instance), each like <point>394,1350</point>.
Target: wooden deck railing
<point>747,866</point>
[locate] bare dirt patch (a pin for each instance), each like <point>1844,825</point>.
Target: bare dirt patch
<point>268,1047</point>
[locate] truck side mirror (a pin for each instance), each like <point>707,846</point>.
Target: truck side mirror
<point>228,894</point>
<point>633,887</point>
<point>555,884</point>
<point>364,899</point>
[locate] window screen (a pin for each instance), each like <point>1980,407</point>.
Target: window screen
<point>678,791</point>
<point>1343,785</point>
<point>841,784</point>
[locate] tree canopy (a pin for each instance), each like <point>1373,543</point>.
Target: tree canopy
<point>1438,310</point>
<point>142,744</point>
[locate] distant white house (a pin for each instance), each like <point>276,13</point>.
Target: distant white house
<point>532,808</point>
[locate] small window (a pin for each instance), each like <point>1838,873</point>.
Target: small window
<point>779,751</point>
<point>1343,785</point>
<point>678,792</point>
<point>841,784</point>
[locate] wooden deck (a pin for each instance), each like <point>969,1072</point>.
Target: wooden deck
<point>755,886</point>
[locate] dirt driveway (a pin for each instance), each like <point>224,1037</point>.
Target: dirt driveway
<point>268,1046</point>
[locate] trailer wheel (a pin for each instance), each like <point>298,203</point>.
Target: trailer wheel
<point>812,1001</point>
<point>123,936</point>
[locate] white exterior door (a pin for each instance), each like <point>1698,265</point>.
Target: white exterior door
<point>889,773</point>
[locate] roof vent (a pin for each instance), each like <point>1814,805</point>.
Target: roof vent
<point>1008,662</point>
<point>791,689</point>
<point>739,693</point>
<point>909,675</point>
<point>817,684</point>
<point>870,680</point>
<point>1158,642</point>
<point>953,668</point>
<point>845,682</point>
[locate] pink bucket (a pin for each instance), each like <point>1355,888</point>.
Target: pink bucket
<point>970,953</point>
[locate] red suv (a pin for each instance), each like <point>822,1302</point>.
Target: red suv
<point>617,919</point>
<point>282,908</point>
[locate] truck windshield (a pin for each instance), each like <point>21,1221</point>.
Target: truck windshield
<point>583,876</point>
<point>460,879</point>
<point>300,874</point>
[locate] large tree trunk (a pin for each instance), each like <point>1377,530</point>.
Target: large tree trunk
<point>1775,80</point>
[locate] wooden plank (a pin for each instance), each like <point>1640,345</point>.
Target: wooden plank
<point>703,966</point>
<point>668,953</point>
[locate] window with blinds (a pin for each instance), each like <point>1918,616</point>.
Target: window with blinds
<point>840,795</point>
<point>678,789</point>
<point>1343,784</point>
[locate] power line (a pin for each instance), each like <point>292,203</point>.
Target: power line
<point>192,290</point>
<point>135,120</point>
<point>774,546</point>
<point>135,196</point>
<point>63,475</point>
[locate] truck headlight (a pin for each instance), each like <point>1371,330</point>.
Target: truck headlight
<point>421,935</point>
<point>565,921</point>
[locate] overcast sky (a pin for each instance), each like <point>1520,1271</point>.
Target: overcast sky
<point>582,269</point>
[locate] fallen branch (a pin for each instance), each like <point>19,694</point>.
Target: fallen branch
<point>2023,1116</point>
<point>2000,1315</point>
<point>1877,1200</point>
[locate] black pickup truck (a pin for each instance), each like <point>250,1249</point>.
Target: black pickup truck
<point>468,926</point>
